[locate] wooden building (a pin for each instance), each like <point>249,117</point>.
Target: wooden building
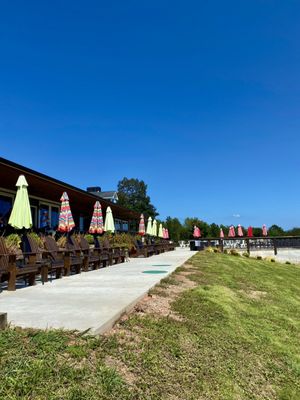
<point>45,193</point>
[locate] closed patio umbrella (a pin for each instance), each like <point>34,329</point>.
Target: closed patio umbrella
<point>160,231</point>
<point>167,234</point>
<point>264,230</point>
<point>250,232</point>
<point>240,231</point>
<point>142,225</point>
<point>109,224</point>
<point>149,226</point>
<point>20,216</point>
<point>65,220</point>
<point>231,232</point>
<point>197,232</point>
<point>96,225</point>
<point>221,233</point>
<point>154,228</point>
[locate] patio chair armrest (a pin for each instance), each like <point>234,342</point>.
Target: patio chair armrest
<point>11,256</point>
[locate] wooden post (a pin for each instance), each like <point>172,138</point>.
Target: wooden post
<point>275,247</point>
<point>248,245</point>
<point>3,320</point>
<point>221,245</point>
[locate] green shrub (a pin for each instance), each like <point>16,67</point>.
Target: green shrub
<point>209,249</point>
<point>89,238</point>
<point>225,251</point>
<point>288,262</point>
<point>233,252</point>
<point>259,257</point>
<point>13,243</point>
<point>246,254</point>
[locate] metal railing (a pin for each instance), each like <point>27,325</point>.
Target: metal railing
<point>247,243</point>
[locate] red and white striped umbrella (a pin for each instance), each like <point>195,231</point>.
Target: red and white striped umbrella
<point>240,231</point>
<point>96,225</point>
<point>231,232</point>
<point>264,230</point>
<point>142,230</point>
<point>167,234</point>
<point>221,233</point>
<point>164,233</point>
<point>197,232</point>
<point>65,221</point>
<point>250,231</point>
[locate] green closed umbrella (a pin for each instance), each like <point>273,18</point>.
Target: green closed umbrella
<point>160,231</point>
<point>149,226</point>
<point>20,216</point>
<point>154,228</point>
<point>109,224</point>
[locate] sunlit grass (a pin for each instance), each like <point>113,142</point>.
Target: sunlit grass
<point>238,339</point>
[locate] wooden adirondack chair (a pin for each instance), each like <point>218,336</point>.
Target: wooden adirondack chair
<point>10,271</point>
<point>34,255</point>
<point>77,259</point>
<point>92,259</point>
<point>150,248</point>
<point>62,256</point>
<point>140,249</point>
<point>103,252</point>
<point>114,254</point>
<point>49,265</point>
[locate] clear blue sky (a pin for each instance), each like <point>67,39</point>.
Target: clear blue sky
<point>198,98</point>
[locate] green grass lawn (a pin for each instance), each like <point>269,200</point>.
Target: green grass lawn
<point>237,336</point>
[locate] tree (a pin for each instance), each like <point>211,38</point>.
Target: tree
<point>189,224</point>
<point>294,232</point>
<point>176,230</point>
<point>276,230</point>
<point>214,230</point>
<point>132,193</point>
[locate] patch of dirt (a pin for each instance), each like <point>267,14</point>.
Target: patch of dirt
<point>253,294</point>
<point>160,306</point>
<point>157,306</point>
<point>121,368</point>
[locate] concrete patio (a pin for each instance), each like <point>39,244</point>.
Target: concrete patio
<point>93,300</point>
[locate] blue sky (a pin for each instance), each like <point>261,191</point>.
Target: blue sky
<point>199,99</point>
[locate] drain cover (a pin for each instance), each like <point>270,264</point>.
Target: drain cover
<point>154,271</point>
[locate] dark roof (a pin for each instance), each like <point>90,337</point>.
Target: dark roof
<point>108,194</point>
<point>43,186</point>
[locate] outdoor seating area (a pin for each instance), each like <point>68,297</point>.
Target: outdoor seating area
<point>29,256</point>
<point>43,259</point>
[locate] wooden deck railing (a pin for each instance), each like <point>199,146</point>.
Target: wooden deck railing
<point>247,243</point>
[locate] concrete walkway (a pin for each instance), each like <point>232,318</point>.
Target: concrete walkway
<point>92,300</point>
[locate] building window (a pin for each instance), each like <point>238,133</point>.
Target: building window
<point>44,216</point>
<point>125,226</point>
<point>33,210</point>
<point>48,216</point>
<point>81,223</point>
<point>5,209</point>
<point>54,217</point>
<point>118,225</point>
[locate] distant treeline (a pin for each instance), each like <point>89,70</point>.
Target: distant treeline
<point>179,231</point>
